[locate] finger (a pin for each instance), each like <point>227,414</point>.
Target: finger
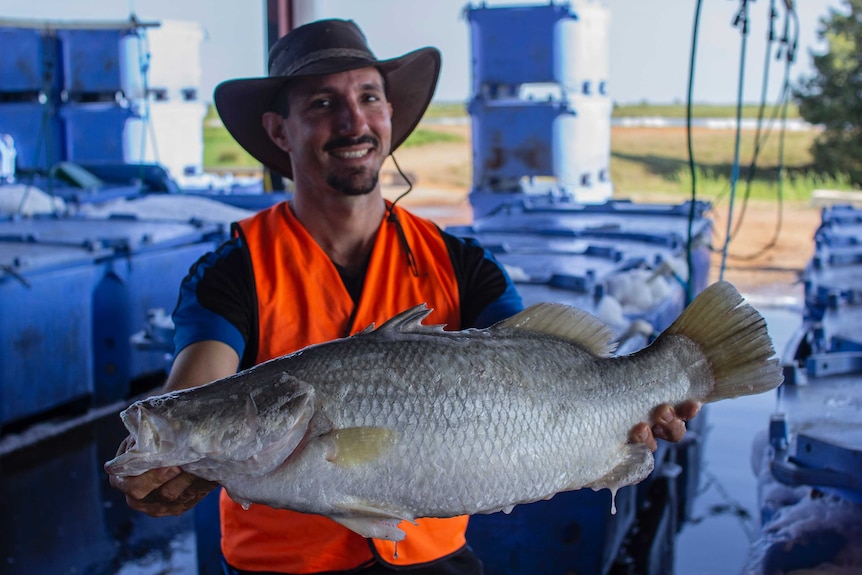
<point>140,486</point>
<point>667,425</point>
<point>641,433</point>
<point>688,410</point>
<point>158,505</point>
<point>173,489</point>
<point>160,508</point>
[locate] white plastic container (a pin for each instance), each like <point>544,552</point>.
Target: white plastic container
<point>581,47</point>
<point>8,154</point>
<point>582,150</point>
<point>164,61</point>
<point>175,59</point>
<point>169,133</point>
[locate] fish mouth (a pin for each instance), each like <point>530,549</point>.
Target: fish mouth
<point>151,444</point>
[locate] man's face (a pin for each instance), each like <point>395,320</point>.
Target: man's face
<point>338,130</point>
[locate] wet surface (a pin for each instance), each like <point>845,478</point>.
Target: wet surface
<point>60,515</point>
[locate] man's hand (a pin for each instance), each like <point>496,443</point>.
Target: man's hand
<point>667,423</point>
<point>161,492</point>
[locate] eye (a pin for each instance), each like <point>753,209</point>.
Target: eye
<point>321,103</point>
<point>373,97</point>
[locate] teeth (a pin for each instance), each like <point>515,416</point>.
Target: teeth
<point>351,155</point>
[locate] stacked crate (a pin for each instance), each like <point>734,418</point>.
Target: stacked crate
<point>102,93</point>
<point>30,95</point>
<point>540,107</point>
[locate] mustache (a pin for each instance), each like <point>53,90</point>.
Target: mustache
<point>344,142</point>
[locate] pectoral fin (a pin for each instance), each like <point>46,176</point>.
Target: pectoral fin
<point>372,520</point>
<point>360,445</point>
<point>373,528</point>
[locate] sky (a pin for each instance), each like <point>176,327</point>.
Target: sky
<point>649,40</point>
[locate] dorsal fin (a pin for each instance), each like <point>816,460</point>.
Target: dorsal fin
<point>408,321</point>
<point>566,322</point>
<point>368,329</point>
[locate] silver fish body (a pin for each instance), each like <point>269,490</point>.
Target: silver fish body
<point>410,421</point>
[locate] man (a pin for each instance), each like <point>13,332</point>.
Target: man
<point>334,260</point>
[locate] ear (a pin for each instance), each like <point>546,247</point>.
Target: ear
<point>273,123</point>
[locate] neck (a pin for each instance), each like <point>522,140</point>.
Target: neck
<point>344,227</point>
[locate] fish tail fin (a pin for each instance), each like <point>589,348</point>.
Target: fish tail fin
<point>733,337</point>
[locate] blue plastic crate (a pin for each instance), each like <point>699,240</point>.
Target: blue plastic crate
<point>514,139</point>
<point>38,133</point>
<point>96,132</point>
<point>91,61</point>
<point>517,45</point>
<point>30,63</point>
<point>142,270</point>
<point>649,233</point>
<point>46,302</point>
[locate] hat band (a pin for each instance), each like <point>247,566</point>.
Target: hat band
<point>327,54</point>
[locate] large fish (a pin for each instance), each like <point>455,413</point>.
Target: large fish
<point>410,421</point>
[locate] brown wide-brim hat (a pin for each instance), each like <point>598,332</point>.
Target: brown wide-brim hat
<point>318,49</point>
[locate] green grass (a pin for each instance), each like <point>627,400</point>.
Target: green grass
<point>222,151</point>
<point>795,186</point>
<point>422,136</point>
<point>446,110</point>
<point>646,162</point>
<point>698,110</point>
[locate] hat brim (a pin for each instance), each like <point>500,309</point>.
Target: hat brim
<point>410,83</point>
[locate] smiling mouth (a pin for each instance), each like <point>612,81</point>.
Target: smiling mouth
<point>352,148</point>
<point>352,155</point>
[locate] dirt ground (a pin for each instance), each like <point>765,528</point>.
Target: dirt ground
<point>758,262</point>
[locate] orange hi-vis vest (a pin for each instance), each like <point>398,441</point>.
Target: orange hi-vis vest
<point>302,300</point>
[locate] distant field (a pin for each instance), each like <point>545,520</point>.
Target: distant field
<point>645,162</point>
<point>457,109</point>
<point>221,151</point>
<point>648,161</point>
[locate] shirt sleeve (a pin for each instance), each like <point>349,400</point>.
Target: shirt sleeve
<point>487,293</point>
<point>216,300</point>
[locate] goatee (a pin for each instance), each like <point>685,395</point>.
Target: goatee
<point>358,183</point>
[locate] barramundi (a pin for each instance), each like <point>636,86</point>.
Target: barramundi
<point>409,420</point>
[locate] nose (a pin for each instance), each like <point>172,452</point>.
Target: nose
<point>351,119</point>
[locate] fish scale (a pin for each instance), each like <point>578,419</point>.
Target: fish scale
<point>410,421</point>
